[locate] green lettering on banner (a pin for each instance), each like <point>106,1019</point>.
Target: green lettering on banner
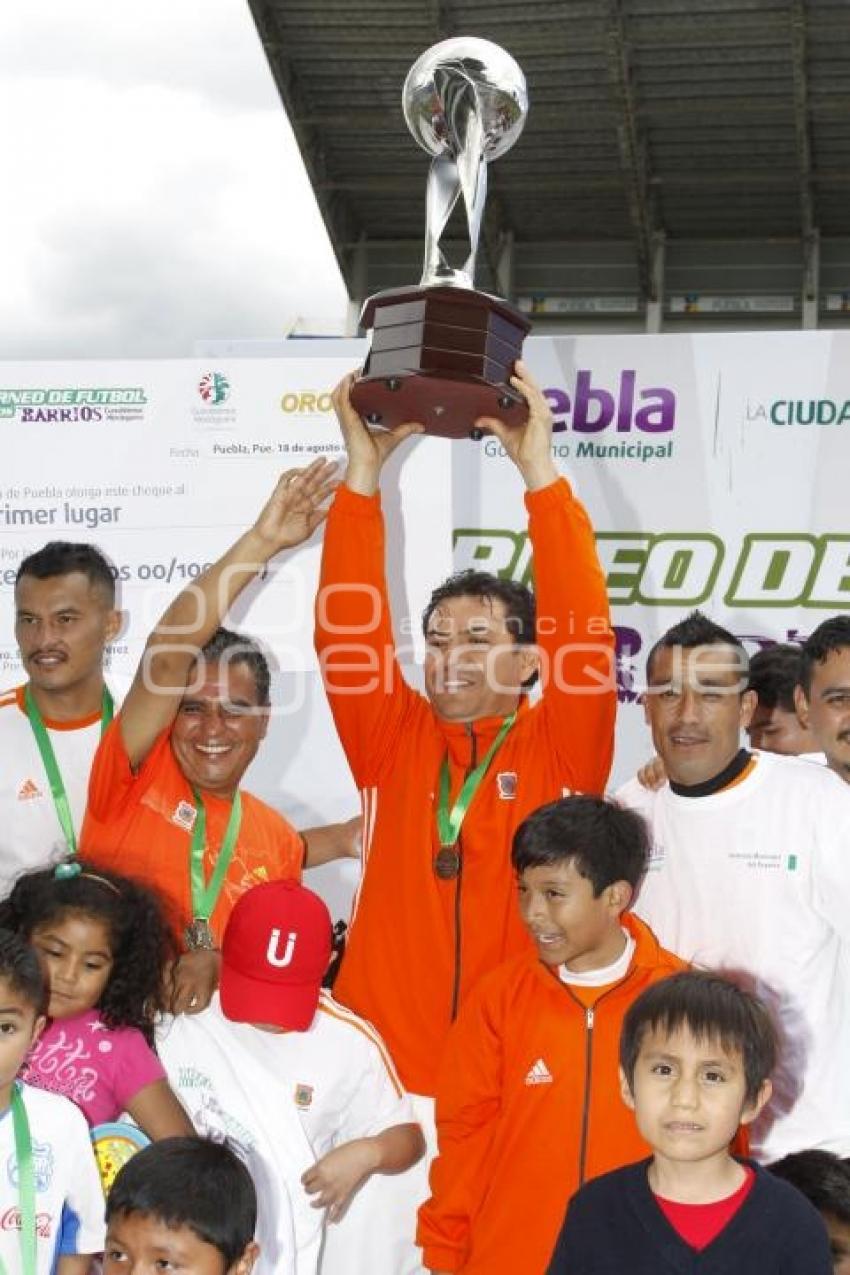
<point>829,584</point>
<point>773,570</point>
<point>623,555</point>
<point>681,569</point>
<point>496,551</point>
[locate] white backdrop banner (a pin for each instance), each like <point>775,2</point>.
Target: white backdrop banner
<point>714,468</point>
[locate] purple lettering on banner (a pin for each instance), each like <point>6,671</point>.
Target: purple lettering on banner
<point>628,644</point>
<point>657,418</point>
<point>627,401</point>
<point>585,397</point>
<point>595,407</point>
<point>560,405</point>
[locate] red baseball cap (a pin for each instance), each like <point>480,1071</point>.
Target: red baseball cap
<point>274,954</point>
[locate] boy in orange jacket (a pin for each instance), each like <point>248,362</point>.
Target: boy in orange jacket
<point>528,1101</point>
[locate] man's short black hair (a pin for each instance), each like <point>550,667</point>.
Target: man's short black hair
<point>606,841</point>
<point>696,630</point>
<point>192,1182</point>
<point>710,1007</point>
<point>517,599</point>
<point>831,635</point>
<point>237,648</point>
<point>62,557</point>
<point>21,969</point>
<point>774,673</point>
<point>822,1177</point>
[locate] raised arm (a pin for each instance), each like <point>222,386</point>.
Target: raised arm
<point>574,631</point>
<point>354,637</point>
<point>291,515</point>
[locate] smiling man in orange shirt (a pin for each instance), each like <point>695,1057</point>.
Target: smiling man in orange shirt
<point>165,802</point>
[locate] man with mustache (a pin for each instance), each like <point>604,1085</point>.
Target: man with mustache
<point>65,616</point>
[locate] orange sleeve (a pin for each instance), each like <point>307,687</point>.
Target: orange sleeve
<point>292,851</point>
<point>574,635</point>
<point>368,695</point>
<point>112,782</point>
<point>468,1102</point>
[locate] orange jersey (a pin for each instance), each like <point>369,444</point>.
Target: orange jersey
<point>418,944</point>
<point>141,825</point>
<point>529,1107</point>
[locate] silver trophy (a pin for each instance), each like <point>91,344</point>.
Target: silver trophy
<point>465,102</point>
<point>443,353</point>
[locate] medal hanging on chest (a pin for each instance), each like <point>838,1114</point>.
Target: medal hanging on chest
<point>205,894</point>
<point>447,863</point>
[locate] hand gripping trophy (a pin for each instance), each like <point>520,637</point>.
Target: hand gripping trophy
<point>442,353</point>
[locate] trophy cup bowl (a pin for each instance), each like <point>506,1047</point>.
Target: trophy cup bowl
<point>442,353</point>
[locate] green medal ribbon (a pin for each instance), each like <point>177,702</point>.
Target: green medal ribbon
<point>449,821</point>
<point>51,766</point>
<point>26,1185</point>
<point>205,893</point>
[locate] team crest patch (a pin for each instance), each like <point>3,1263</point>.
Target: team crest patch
<point>303,1096</point>
<point>184,815</point>
<point>506,784</point>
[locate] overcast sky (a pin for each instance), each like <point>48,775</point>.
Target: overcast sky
<point>152,192</point>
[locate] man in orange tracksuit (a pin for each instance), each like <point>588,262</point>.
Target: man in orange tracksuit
<point>528,1100</point>
<point>437,910</point>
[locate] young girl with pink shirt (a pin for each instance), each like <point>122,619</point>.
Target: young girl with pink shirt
<point>104,944</point>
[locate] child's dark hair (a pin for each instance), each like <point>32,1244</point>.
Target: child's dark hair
<point>710,1007</point>
<point>606,841</point>
<point>141,940</point>
<point>20,967</point>
<point>190,1182</point>
<point>822,1177</point>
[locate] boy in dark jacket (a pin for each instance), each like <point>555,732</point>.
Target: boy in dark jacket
<point>696,1054</point>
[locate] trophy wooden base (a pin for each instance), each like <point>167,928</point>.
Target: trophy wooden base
<point>441,356</point>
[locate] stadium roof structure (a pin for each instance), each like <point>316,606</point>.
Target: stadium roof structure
<point>685,163</point>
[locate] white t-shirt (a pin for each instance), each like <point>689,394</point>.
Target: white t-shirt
<point>756,878</point>
<point>286,1100</point>
<point>30,833</point>
<point>605,974</point>
<point>69,1197</point>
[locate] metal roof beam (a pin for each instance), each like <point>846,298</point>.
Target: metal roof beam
<point>633,162</point>
<point>801,114</point>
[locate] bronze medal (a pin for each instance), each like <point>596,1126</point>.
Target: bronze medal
<point>199,936</point>
<point>447,863</point>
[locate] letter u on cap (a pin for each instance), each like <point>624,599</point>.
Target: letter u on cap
<point>272,955</point>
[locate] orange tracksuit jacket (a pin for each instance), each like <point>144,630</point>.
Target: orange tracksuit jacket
<point>528,1107</point>
<point>418,944</point>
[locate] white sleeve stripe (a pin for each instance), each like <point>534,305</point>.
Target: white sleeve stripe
<point>335,1010</point>
<point>369,808</point>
